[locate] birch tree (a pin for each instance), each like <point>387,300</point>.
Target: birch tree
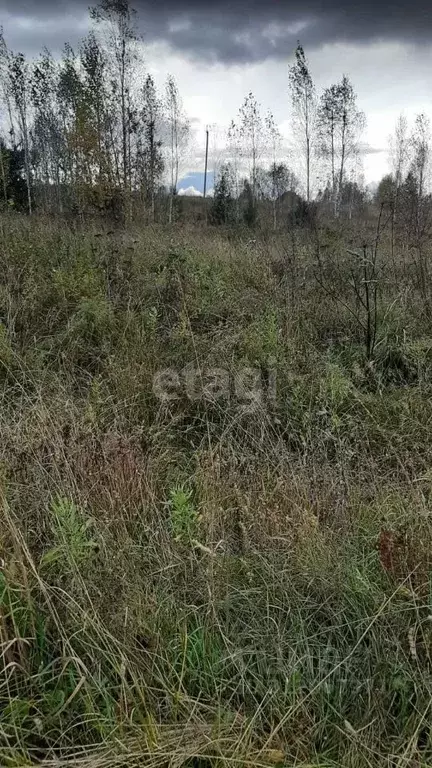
<point>178,136</point>
<point>95,70</point>
<point>277,170</point>
<point>150,147</point>
<point>15,72</point>
<point>117,17</point>
<point>303,101</point>
<point>48,138</point>
<point>420,142</point>
<point>350,124</point>
<point>400,156</point>
<point>340,124</point>
<point>327,119</point>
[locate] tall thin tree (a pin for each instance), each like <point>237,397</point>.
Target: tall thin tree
<point>304,108</point>
<point>118,18</point>
<point>179,132</point>
<point>152,164</point>
<point>15,70</point>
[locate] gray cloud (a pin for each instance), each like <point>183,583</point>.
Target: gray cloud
<point>233,31</point>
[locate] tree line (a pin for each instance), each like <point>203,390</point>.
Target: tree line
<point>90,132</point>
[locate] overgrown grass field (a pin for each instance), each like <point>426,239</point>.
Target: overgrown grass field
<point>214,579</point>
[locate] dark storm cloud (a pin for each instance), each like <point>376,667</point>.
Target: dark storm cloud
<point>243,30</point>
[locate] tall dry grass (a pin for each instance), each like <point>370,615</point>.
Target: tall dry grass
<point>211,581</point>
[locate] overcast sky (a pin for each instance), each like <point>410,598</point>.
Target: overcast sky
<point>219,50</point>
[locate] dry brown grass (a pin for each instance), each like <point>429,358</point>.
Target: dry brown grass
<point>200,583</point>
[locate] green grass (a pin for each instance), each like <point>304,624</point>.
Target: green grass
<point>211,581</point>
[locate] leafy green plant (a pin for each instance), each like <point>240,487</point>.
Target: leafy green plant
<point>74,545</point>
<point>184,517</point>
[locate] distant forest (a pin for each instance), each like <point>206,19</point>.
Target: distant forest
<point>89,134</point>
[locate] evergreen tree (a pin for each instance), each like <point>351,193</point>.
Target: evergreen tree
<point>223,204</point>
